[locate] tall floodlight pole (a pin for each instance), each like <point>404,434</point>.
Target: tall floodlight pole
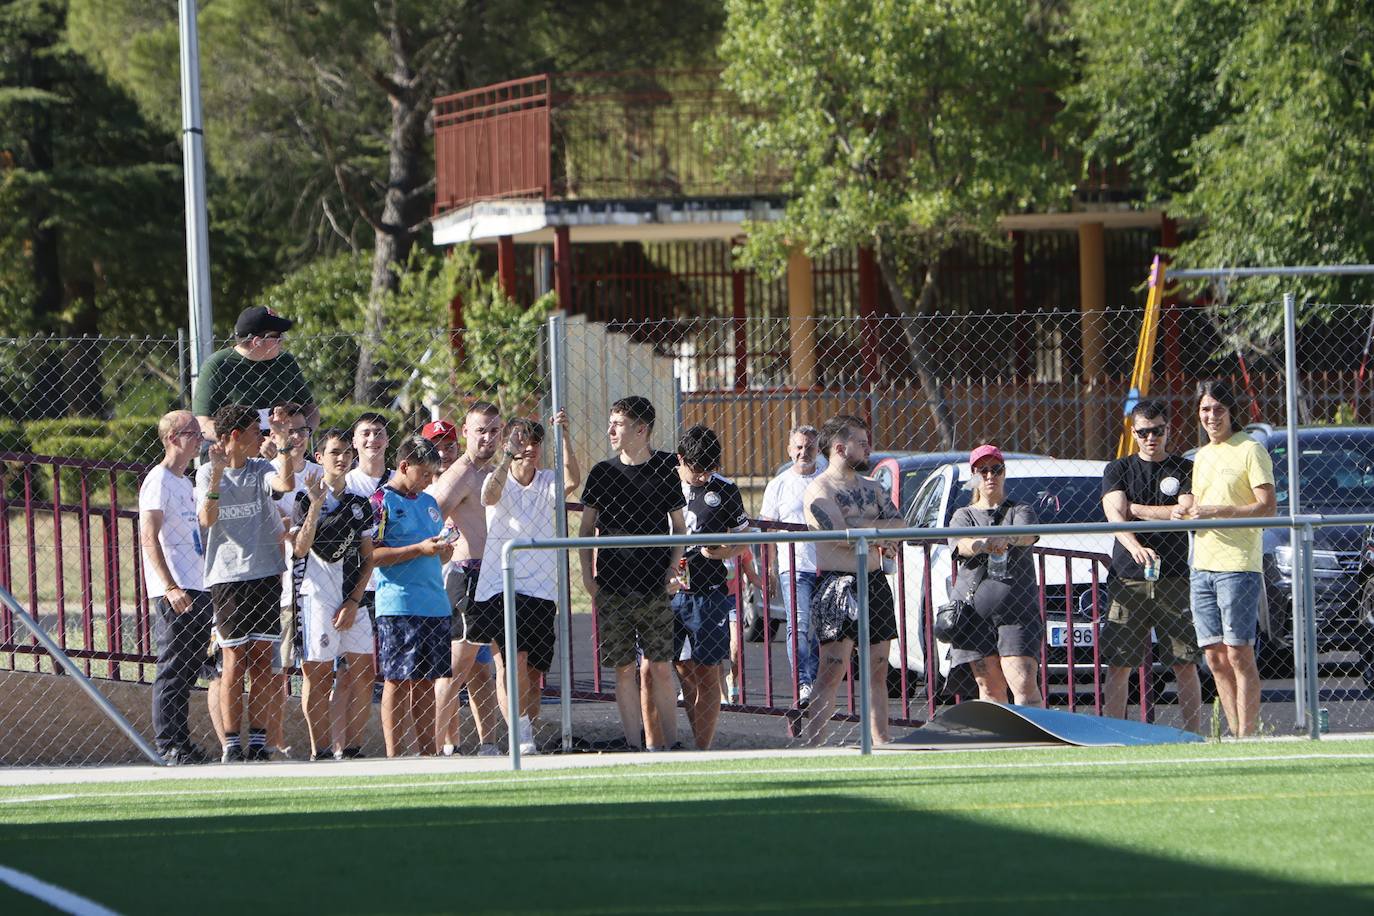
<point>193,168</point>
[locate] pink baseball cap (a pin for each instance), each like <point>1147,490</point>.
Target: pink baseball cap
<point>439,430</point>
<point>985,451</point>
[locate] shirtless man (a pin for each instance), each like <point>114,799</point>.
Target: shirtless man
<point>837,499</point>
<point>459,494</point>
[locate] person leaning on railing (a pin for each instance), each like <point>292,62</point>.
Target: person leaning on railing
<point>997,576</point>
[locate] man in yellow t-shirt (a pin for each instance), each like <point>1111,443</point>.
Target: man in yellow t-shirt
<point>1233,477</point>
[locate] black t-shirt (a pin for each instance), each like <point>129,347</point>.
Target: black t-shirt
<point>715,508</point>
<point>1151,483</point>
<point>339,531</point>
<point>633,499</point>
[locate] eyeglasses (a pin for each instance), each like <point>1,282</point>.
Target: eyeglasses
<point>186,434</point>
<point>273,335</point>
<point>991,470</point>
<point>299,430</point>
<point>1144,432</point>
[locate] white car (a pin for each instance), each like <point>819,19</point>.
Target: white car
<point>1060,490</point>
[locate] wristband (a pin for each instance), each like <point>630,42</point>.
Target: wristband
<point>510,454</point>
<point>212,496</point>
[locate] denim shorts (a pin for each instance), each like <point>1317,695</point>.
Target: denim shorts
<point>703,619</point>
<point>413,648</point>
<point>1226,607</point>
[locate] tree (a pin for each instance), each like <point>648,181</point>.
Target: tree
<point>84,181</point>
<point>908,124</point>
<point>330,103</point>
<point>1249,118</point>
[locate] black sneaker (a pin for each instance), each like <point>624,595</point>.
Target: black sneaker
<point>325,754</point>
<point>232,755</point>
<point>190,753</point>
<point>351,753</point>
<point>258,754</point>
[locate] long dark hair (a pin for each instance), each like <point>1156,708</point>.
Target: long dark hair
<point>1221,390</point>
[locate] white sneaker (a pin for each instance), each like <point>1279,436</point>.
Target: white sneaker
<point>804,695</point>
<point>488,750</point>
<point>528,749</point>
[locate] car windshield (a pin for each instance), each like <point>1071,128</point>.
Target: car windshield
<point>1055,499</point>
<point>1329,473</point>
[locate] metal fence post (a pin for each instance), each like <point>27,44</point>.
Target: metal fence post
<point>865,659</point>
<point>1301,563</point>
<point>512,658</point>
<point>1308,629</point>
<point>557,362</point>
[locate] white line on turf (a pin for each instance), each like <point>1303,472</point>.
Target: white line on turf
<point>57,898</point>
<point>648,773</point>
<point>34,798</point>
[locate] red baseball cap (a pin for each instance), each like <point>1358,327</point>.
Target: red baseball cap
<point>439,430</point>
<point>985,451</point>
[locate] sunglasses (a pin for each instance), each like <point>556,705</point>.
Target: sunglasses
<point>991,470</point>
<point>1144,432</point>
<point>274,335</point>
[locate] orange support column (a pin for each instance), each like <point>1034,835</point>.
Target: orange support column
<point>801,313</point>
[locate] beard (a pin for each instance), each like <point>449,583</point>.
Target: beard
<point>858,467</point>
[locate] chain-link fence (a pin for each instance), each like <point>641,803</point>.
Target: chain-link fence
<point>81,437</point>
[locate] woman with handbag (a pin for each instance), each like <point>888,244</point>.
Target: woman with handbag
<point>997,578</point>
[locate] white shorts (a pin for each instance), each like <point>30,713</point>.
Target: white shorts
<point>321,641</point>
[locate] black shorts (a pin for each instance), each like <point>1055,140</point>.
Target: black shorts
<point>536,629</point>
<point>461,584</point>
<point>882,609</point>
<point>247,611</point>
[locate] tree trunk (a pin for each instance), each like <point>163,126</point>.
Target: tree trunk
<point>918,342</point>
<point>402,209</point>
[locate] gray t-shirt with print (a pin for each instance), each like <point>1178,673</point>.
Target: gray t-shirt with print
<point>245,543</point>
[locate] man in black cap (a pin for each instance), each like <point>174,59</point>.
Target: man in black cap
<point>255,372</point>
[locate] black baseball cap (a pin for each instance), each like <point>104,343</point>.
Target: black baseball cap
<point>260,320</point>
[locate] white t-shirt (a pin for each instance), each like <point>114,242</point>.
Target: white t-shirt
<point>782,502</point>
<point>525,512</point>
<point>182,547</point>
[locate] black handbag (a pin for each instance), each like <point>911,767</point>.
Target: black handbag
<point>958,620</point>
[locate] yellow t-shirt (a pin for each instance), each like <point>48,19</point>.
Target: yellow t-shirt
<point>1225,474</point>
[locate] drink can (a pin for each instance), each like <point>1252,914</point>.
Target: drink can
<point>1152,571</point>
<point>889,564</point>
<point>1323,720</point>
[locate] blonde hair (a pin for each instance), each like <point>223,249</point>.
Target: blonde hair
<point>169,421</point>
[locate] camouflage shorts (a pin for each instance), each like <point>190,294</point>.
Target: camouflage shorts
<point>627,622</point>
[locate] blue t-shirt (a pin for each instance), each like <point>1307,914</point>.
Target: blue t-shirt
<point>415,587</point>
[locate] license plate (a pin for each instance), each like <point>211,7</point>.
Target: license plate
<point>1082,635</point>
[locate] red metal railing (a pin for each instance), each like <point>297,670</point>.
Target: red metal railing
<point>99,632</point>
<point>624,134</point>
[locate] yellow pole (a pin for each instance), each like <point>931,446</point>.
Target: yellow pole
<point>1144,356</point>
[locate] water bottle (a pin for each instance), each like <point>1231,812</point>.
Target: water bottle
<point>997,564</point>
<point>1152,570</point>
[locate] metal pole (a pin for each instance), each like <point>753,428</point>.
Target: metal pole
<point>183,383</point>
<point>865,661</point>
<point>512,659</point>
<point>54,650</point>
<point>1300,563</point>
<point>193,168</point>
<point>1309,631</point>
<point>557,365</point>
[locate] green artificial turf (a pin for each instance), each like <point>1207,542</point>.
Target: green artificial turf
<point>1236,828</point>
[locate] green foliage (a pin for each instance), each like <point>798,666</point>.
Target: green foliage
<point>1253,116</point>
<point>905,124</point>
<point>500,341</point>
<point>326,299</point>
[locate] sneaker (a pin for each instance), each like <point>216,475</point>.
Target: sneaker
<point>448,750</point>
<point>794,718</point>
<point>191,753</point>
<point>528,749</point>
<point>232,755</point>
<point>488,750</point>
<point>257,754</point>
<point>804,696</point>
<point>325,754</point>
<point>350,753</point>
